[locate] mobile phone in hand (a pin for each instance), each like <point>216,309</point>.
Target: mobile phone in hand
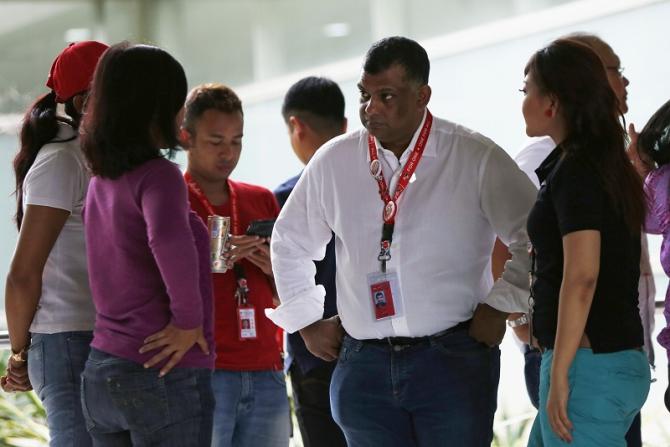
<point>261,228</point>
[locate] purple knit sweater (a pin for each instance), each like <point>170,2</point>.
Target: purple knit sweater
<point>148,261</point>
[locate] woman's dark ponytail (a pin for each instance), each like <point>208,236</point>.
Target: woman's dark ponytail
<point>40,125</point>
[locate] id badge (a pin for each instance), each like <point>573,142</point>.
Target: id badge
<point>385,295</point>
<point>246,321</point>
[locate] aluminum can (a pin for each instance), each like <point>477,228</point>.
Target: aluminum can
<point>219,229</point>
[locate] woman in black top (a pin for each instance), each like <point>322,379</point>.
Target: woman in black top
<point>585,230</point>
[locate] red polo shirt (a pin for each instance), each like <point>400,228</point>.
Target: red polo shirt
<point>263,352</point>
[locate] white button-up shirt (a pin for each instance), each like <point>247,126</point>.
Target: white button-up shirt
<point>465,191</point>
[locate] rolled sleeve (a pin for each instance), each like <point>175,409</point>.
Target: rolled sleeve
<point>300,236</point>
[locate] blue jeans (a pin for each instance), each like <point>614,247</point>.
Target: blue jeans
<point>127,405</point>
<point>439,393</point>
<point>606,393</point>
<point>55,362</point>
<point>251,409</point>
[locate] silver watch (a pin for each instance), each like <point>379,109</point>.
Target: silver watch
<point>523,319</point>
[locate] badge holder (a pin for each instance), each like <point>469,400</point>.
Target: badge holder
<point>385,295</point>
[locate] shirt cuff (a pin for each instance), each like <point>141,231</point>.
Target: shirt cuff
<point>508,298</point>
<point>300,311</point>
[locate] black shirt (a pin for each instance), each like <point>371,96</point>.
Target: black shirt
<point>571,198</point>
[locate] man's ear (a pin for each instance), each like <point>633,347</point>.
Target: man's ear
<point>185,138</point>
<point>424,95</point>
<point>296,126</point>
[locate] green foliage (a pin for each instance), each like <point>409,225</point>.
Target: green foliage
<point>22,417</point>
<point>512,431</point>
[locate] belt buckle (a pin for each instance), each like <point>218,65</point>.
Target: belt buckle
<point>397,346</point>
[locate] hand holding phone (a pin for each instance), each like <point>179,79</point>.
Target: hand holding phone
<point>261,228</point>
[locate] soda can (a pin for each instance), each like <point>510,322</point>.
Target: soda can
<point>219,228</point>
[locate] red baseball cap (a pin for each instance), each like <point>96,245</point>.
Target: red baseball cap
<point>72,70</point>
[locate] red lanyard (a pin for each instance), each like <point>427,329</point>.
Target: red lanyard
<point>391,203</point>
<point>204,201</point>
<point>242,292</point>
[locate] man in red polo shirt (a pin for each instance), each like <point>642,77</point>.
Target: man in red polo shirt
<point>248,383</point>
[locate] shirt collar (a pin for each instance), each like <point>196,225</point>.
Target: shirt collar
<point>549,164</point>
<point>431,145</point>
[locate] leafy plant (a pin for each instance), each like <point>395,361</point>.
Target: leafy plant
<point>512,431</point>
<point>22,417</point>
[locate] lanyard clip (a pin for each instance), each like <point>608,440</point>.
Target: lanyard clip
<point>242,291</point>
<point>384,253</point>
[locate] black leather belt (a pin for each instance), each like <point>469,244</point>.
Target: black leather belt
<point>413,341</point>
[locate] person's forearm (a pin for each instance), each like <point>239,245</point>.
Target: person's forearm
<point>21,298</point>
<point>574,304</point>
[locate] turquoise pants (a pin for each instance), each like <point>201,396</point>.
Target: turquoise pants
<point>606,392</point>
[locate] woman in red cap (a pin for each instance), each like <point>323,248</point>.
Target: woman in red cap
<point>50,313</point>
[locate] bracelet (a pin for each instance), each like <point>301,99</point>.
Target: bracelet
<point>21,356</point>
<point>522,320</point>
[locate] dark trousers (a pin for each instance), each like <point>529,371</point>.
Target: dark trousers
<point>312,407</point>
<point>438,393</point>
<point>533,359</point>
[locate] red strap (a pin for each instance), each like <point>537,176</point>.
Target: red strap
<point>391,204</point>
<point>204,201</point>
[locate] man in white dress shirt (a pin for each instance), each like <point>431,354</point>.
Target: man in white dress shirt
<point>415,204</point>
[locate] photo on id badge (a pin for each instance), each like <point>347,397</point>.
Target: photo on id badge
<point>385,296</point>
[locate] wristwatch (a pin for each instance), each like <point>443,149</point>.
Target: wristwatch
<point>523,319</point>
<point>21,356</point>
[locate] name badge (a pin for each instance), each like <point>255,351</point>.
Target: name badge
<point>246,322</point>
<point>385,295</point>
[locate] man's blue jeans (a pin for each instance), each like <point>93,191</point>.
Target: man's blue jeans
<point>439,393</point>
<point>55,362</point>
<point>251,409</point>
<point>127,405</point>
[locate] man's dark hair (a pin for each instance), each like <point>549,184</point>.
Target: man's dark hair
<point>136,94</point>
<point>207,97</point>
<point>402,51</point>
<point>317,101</point>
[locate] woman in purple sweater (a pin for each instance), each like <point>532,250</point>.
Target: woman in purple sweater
<point>148,261</point>
<point>653,147</point>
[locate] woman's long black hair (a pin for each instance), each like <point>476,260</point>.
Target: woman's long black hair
<point>40,126</point>
<point>574,75</point>
<point>136,95</point>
